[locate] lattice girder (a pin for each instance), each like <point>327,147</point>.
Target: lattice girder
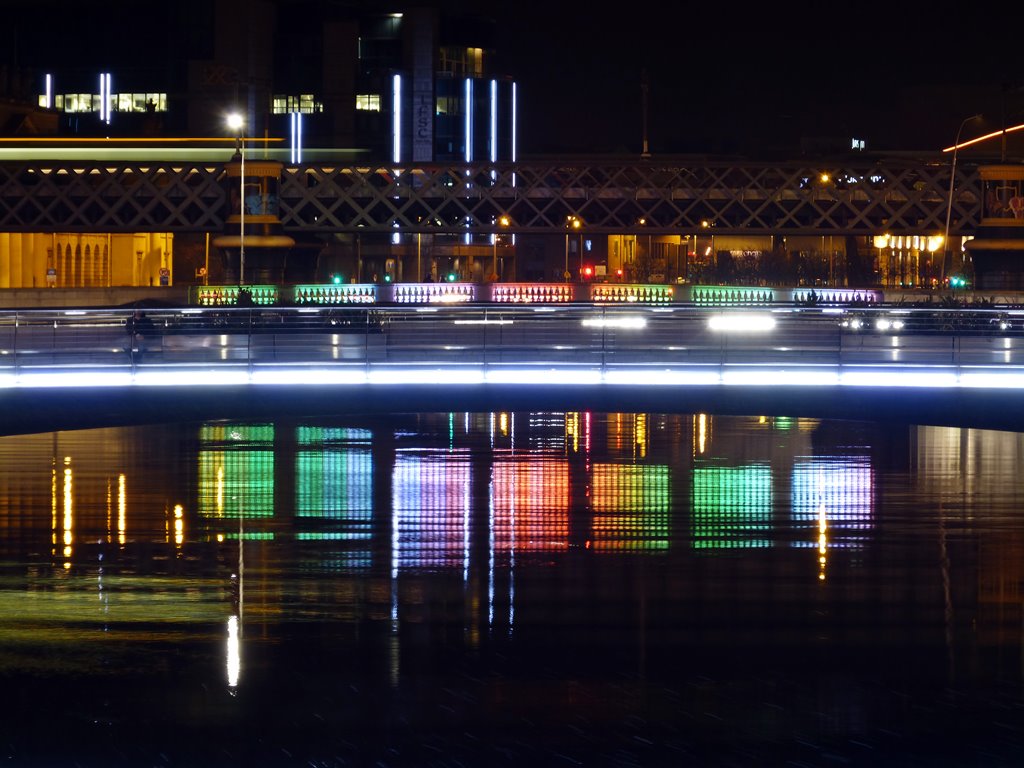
<point>656,197</point>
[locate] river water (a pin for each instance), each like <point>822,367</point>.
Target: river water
<point>482,589</point>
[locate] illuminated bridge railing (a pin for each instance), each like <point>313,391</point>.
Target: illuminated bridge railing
<point>530,293</point>
<point>532,344</point>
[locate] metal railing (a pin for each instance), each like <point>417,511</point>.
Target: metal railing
<point>578,336</point>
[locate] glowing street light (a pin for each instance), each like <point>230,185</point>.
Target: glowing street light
<point>237,124</point>
<point>504,222</point>
<point>572,222</point>
<point>947,259</point>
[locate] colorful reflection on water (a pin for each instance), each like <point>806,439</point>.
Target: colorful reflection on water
<point>474,589</point>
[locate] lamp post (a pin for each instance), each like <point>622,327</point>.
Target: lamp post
<point>947,258</point>
<point>503,221</point>
<point>237,124</point>
<point>572,222</point>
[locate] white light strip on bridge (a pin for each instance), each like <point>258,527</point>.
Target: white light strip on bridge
<point>742,322</point>
<point>615,322</point>
<point>811,376</point>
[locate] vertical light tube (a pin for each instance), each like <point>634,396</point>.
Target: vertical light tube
<point>48,103</point>
<point>103,101</point>
<point>469,120</point>
<point>515,132</point>
<point>296,125</point>
<point>292,125</point>
<point>494,120</point>
<point>396,118</point>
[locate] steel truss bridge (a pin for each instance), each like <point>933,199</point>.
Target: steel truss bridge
<point>654,196</point>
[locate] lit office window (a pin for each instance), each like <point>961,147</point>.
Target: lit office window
<point>368,102</point>
<point>285,104</point>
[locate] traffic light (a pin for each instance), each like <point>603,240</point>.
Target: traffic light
<point>336,279</point>
<point>588,272</point>
<point>451,277</point>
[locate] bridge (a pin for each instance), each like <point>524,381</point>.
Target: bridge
<point>82,368</point>
<point>656,196</point>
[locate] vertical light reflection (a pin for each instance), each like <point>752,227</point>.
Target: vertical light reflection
<point>640,436</point>
<point>122,509</point>
<point>572,430</point>
<point>822,542</point>
<point>179,525</point>
<point>68,515</point>
<point>234,653</point>
<point>700,434</point>
<point>110,512</point>
<point>53,507</point>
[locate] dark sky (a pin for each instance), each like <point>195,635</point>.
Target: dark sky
<point>724,77</point>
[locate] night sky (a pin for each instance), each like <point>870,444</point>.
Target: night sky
<point>722,78</point>
<point>727,77</point>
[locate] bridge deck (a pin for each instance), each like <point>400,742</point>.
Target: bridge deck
<point>955,365</point>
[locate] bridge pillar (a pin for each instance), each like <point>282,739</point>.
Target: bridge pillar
<point>997,250</point>
<point>265,245</point>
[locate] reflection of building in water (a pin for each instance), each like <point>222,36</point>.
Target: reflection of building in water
<point>431,506</point>
<point>530,499</point>
<point>334,491</point>
<point>236,470</point>
<point>631,506</point>
<point>963,472</point>
<point>731,506</point>
<point>834,496</point>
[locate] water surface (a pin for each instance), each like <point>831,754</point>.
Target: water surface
<point>510,589</point>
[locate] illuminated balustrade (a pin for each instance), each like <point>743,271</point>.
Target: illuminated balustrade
<point>531,293</point>
<point>227,295</point>
<point>335,294</point>
<point>722,295</point>
<point>433,293</point>
<point>836,296</point>
<point>634,294</point>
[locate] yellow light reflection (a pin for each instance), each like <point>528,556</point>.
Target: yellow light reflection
<point>179,525</point>
<point>503,424</point>
<point>53,507</point>
<point>822,542</point>
<point>234,653</point>
<point>122,509</point>
<point>572,430</point>
<point>68,516</point>
<point>640,435</point>
<point>700,434</point>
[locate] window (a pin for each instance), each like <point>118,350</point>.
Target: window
<point>368,102</point>
<point>120,102</point>
<point>284,104</point>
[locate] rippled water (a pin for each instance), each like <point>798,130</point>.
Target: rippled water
<point>513,589</point>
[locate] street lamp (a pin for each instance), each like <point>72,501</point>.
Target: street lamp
<point>947,258</point>
<point>503,221</point>
<point>572,222</point>
<point>237,124</point>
